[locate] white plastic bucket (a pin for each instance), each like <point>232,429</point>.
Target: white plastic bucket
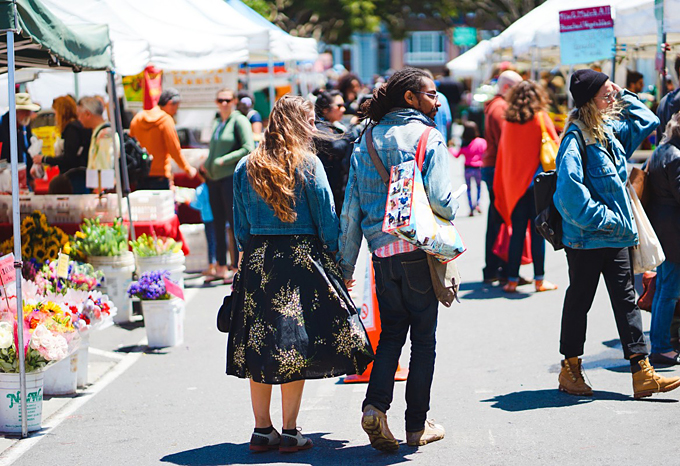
<point>10,401</point>
<point>173,263</point>
<point>164,322</point>
<point>62,378</point>
<point>117,278</point>
<point>83,359</point>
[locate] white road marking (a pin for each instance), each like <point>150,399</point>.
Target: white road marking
<point>492,440</point>
<point>108,354</point>
<point>20,447</point>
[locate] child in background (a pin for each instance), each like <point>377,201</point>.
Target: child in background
<point>202,203</point>
<point>473,148</point>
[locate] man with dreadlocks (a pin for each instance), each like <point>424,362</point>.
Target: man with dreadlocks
<point>399,112</point>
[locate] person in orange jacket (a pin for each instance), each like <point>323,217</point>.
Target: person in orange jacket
<point>155,131</point>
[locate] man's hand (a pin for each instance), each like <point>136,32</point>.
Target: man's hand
<point>349,283</point>
<point>192,172</point>
<point>37,159</point>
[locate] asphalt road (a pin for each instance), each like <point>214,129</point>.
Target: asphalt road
<point>495,391</point>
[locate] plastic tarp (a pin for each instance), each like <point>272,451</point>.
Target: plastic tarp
<point>283,46</point>
<point>45,40</point>
<point>171,34</point>
<point>470,63</point>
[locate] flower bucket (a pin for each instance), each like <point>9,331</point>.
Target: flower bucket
<point>173,263</point>
<point>62,378</point>
<point>83,359</point>
<point>10,401</point>
<point>164,322</point>
<point>117,278</point>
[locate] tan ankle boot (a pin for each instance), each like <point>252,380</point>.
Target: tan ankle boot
<point>646,381</point>
<point>431,433</point>
<point>571,378</point>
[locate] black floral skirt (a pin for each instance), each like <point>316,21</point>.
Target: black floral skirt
<point>292,318</point>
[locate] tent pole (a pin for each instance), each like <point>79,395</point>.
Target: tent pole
<point>116,149</point>
<point>16,228</point>
<point>119,130</point>
<point>613,77</point>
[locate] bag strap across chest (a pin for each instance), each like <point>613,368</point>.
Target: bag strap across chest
<point>384,174</point>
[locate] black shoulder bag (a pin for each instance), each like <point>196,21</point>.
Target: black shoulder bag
<point>549,221</point>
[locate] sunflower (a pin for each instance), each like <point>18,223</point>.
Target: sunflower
<point>39,253</point>
<point>28,225</point>
<point>7,246</point>
<point>52,252</point>
<point>26,251</point>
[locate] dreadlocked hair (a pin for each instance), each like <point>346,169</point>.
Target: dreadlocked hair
<point>391,94</point>
<point>283,157</point>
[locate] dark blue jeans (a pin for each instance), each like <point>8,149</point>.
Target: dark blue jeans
<point>407,302</point>
<point>524,212</point>
<point>495,267</point>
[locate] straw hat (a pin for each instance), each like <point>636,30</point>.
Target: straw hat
<point>24,102</point>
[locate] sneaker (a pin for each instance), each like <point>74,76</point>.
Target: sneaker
<point>431,433</point>
<point>374,423</point>
<point>646,381</point>
<point>265,442</point>
<point>294,443</point>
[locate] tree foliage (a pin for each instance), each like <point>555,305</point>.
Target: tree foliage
<point>498,14</point>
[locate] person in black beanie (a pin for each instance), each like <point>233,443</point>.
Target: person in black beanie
<point>598,226</point>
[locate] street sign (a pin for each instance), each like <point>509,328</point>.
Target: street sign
<point>586,35</point>
<point>465,36</point>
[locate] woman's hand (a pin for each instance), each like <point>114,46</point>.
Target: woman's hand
<point>617,89</point>
<point>349,283</point>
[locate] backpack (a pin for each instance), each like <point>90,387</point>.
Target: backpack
<point>137,158</point>
<point>548,222</point>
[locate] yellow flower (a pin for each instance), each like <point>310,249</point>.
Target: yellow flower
<point>39,253</point>
<point>52,252</point>
<point>80,234</point>
<point>67,248</point>
<point>26,252</point>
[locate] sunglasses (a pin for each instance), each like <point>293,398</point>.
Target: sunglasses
<point>224,101</point>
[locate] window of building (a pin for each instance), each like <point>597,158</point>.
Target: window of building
<point>425,47</point>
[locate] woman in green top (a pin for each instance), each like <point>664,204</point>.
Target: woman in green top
<point>232,139</point>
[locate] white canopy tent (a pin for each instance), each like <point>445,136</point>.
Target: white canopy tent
<point>471,63</point>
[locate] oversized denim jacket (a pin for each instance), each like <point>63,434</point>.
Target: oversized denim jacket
<point>313,204</point>
<point>595,208</point>
<point>395,139</point>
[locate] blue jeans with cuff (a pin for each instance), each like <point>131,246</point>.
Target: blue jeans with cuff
<point>663,306</point>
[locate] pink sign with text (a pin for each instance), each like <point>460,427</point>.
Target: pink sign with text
<point>173,288</point>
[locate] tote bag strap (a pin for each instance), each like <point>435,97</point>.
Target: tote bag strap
<point>374,157</point>
<point>422,147</point>
<point>541,121</point>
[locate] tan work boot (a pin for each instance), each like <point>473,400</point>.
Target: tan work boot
<point>571,378</point>
<point>374,423</point>
<point>431,433</point>
<point>646,381</point>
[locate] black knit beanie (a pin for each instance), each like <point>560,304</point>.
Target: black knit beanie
<point>585,84</point>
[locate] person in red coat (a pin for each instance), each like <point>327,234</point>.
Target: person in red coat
<point>517,163</point>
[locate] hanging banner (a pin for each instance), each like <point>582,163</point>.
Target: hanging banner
<point>133,87</point>
<point>153,79</point>
<point>199,88</point>
<point>586,35</point>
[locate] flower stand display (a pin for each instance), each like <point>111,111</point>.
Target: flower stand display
<point>10,401</point>
<point>153,253</point>
<point>164,322</point>
<point>117,278</point>
<point>62,378</point>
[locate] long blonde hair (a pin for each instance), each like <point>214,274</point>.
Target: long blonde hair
<point>283,156</point>
<point>594,119</point>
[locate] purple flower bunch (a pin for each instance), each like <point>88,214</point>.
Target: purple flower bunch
<point>150,286</point>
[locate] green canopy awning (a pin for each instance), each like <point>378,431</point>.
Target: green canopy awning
<point>43,40</point>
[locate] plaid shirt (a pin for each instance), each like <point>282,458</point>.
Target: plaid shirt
<point>398,247</point>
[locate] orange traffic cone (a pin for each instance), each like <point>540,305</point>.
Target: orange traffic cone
<point>370,316</point>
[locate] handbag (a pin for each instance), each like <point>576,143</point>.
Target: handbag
<point>408,214</point>
<point>226,309</point>
<point>549,148</point>
<point>548,222</point>
<point>638,180</point>
<point>502,245</point>
<point>648,289</point>
<point>648,253</point>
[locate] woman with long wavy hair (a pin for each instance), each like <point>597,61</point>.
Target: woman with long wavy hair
<point>598,228</point>
<point>517,163</point>
<point>292,318</point>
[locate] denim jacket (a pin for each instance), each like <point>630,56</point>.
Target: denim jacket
<point>313,204</point>
<point>595,208</point>
<point>395,139</point>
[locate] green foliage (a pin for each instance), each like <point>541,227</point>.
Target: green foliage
<point>498,14</point>
<point>148,246</point>
<point>96,239</point>
<point>9,362</point>
<point>334,21</point>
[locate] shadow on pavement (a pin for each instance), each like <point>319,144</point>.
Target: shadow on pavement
<point>325,450</point>
<point>549,398</point>
<point>140,349</point>
<point>481,290</point>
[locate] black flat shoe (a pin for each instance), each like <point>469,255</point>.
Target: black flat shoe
<point>657,358</point>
